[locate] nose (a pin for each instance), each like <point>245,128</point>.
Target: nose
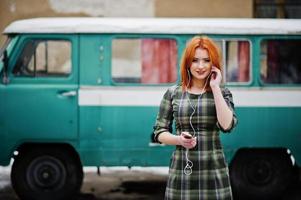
<point>201,64</point>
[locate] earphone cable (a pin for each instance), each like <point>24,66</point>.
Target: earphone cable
<point>189,164</point>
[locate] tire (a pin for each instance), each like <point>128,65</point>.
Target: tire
<point>260,174</point>
<point>46,173</point>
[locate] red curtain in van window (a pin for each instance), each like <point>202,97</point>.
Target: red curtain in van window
<point>243,61</point>
<point>159,61</point>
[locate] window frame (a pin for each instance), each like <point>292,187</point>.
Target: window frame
<point>224,63</point>
<point>35,72</point>
<point>143,36</point>
<point>223,39</point>
<point>275,37</point>
<point>20,45</point>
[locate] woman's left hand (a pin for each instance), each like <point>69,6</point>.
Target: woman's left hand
<point>216,77</point>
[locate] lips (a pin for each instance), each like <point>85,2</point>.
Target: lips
<point>200,72</point>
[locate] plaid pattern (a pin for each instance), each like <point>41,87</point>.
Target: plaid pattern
<point>210,176</point>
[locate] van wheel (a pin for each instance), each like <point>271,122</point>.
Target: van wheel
<point>260,174</point>
<point>46,173</point>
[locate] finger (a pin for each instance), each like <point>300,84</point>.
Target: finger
<point>191,141</point>
<point>192,144</point>
<point>214,68</point>
<point>186,140</point>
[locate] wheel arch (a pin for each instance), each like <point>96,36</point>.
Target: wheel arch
<point>270,150</point>
<point>59,161</point>
<point>27,146</point>
<point>245,163</point>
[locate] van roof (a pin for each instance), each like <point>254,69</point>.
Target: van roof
<point>156,25</point>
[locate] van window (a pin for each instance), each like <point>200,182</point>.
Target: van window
<point>280,61</point>
<point>236,60</point>
<point>236,56</point>
<point>146,61</point>
<point>43,58</point>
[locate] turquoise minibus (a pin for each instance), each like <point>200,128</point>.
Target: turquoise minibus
<point>80,92</point>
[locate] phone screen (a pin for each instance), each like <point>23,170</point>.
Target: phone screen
<point>187,135</point>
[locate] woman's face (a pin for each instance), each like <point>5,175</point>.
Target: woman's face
<point>201,65</point>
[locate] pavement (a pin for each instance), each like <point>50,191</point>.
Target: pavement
<point>120,183</point>
<point>114,183</point>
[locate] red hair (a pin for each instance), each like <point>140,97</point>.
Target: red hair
<point>188,55</point>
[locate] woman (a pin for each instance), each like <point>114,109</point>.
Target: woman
<point>200,108</point>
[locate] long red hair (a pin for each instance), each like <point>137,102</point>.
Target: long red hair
<point>188,55</point>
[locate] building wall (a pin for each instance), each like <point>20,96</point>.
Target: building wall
<point>11,10</point>
<point>204,8</point>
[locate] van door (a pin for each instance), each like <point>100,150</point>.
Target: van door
<point>40,100</point>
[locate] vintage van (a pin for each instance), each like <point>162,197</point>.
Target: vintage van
<point>80,92</point>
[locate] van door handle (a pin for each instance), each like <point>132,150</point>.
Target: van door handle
<point>71,93</point>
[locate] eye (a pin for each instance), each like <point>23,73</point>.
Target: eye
<point>194,60</point>
<point>207,60</point>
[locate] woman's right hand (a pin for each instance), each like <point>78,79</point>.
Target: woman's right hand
<point>187,143</point>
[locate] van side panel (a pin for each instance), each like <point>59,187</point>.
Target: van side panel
<point>265,127</point>
<point>119,135</point>
<point>112,135</point>
<point>38,109</point>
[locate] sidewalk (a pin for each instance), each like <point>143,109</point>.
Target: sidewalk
<point>114,183</point>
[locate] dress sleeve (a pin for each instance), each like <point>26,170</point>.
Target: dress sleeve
<point>165,116</point>
<point>229,100</point>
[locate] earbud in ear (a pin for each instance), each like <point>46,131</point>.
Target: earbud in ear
<point>189,78</point>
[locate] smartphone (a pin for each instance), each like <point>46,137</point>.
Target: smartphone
<point>187,135</point>
<point>212,74</point>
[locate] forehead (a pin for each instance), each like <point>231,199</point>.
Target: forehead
<point>201,53</point>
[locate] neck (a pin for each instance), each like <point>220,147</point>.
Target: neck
<point>198,84</point>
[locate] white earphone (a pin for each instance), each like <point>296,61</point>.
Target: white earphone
<point>189,164</point>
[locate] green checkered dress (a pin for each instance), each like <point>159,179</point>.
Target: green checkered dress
<point>210,176</point>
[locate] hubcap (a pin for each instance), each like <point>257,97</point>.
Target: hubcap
<point>46,173</point>
<point>260,172</point>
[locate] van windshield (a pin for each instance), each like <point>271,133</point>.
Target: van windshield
<point>4,46</point>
